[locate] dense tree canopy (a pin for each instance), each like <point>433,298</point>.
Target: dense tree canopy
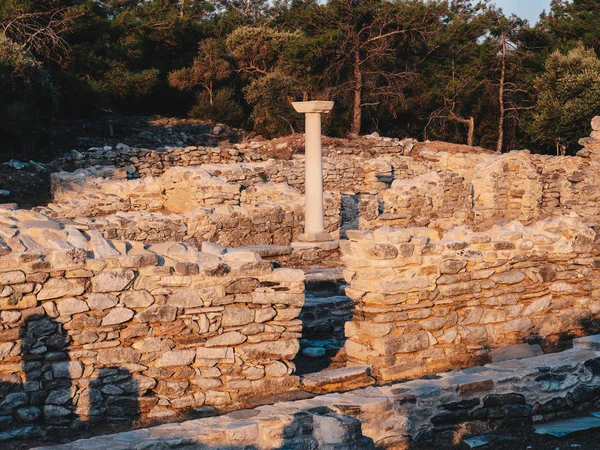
<point>460,71</point>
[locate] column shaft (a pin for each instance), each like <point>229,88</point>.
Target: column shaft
<point>314,209</point>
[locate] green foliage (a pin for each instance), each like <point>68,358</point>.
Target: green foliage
<point>27,96</point>
<point>222,107</point>
<point>270,98</point>
<point>121,85</point>
<point>261,50</point>
<point>568,97</point>
<point>400,67</point>
<point>207,69</point>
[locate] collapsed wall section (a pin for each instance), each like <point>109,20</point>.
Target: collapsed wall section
<point>93,329</point>
<point>426,303</point>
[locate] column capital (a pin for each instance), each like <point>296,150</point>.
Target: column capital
<point>315,107</point>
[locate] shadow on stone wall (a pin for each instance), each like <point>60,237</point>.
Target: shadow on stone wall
<point>50,398</point>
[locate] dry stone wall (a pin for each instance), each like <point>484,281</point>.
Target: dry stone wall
<point>503,399</point>
<point>401,184</point>
<point>426,303</point>
<point>95,329</point>
<point>184,204</point>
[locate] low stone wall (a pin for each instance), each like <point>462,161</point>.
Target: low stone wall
<point>147,162</point>
<point>415,185</point>
<point>427,303</point>
<point>93,329</point>
<point>442,412</point>
<point>185,204</point>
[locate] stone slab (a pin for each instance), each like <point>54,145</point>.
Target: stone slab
<point>565,427</point>
<point>588,342</point>
<point>329,245</point>
<point>326,377</point>
<point>331,274</point>
<point>517,351</point>
<point>264,250</point>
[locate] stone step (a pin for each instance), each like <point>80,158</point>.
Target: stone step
<point>264,251</point>
<point>344,379</point>
<point>517,351</point>
<point>565,427</point>
<point>588,342</point>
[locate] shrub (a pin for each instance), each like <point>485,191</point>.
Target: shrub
<point>270,98</point>
<point>568,97</point>
<point>224,107</point>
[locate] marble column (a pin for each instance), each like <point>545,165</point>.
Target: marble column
<point>314,211</point>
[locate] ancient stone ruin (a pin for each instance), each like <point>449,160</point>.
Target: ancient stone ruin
<point>172,284</point>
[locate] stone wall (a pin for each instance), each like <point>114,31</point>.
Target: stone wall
<point>426,303</point>
<point>405,185</point>
<point>96,329</point>
<point>184,204</point>
<point>141,162</point>
<point>506,400</point>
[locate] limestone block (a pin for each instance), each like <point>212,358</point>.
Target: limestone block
<point>186,298</point>
<point>114,280</point>
<point>406,343</point>
<point>61,287</point>
<point>282,349</point>
<point>117,316</point>
<point>176,358</point>
<point>136,299</point>
<point>235,316</point>
<point>69,306</point>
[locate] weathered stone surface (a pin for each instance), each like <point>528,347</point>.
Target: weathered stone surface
<point>101,302</point>
<point>67,369</point>
<point>60,396</point>
<point>510,277</point>
<point>381,251</point>
<point>136,299</point>
<point>114,280</point>
<point>186,298</point>
<point>286,349</point>
<point>15,277</point>
<point>117,316</point>
<point>176,358</point>
<point>71,306</point>
<point>235,316</point>
<point>452,266</point>
<point>281,298</point>
<point>407,343</point>
<point>157,313</point>
<point>118,355</point>
<point>228,339</point>
<point>242,286</point>
<point>61,287</point>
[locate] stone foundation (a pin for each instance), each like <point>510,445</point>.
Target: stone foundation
<point>426,303</point>
<point>253,202</point>
<point>438,412</point>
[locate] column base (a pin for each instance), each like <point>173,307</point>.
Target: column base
<point>323,236</point>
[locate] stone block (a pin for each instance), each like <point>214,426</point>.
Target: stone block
<point>176,358</point>
<point>113,280</point>
<point>405,343</point>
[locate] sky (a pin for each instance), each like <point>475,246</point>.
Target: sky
<point>528,9</point>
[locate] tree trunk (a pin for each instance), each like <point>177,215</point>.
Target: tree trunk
<point>471,134</point>
<point>356,107</point>
<point>181,13</point>
<point>470,123</point>
<point>501,97</point>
